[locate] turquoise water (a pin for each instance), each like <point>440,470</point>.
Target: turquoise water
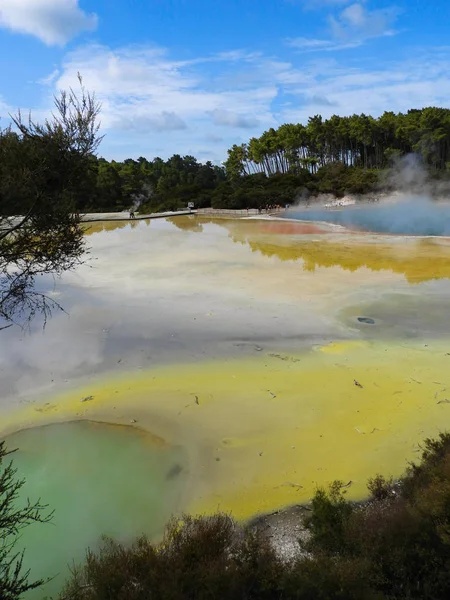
<point>100,480</point>
<point>414,215</point>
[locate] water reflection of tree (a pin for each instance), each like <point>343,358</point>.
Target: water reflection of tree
<point>186,223</point>
<point>418,261</point>
<point>97,227</point>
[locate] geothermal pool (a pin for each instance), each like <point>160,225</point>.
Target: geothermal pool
<point>100,479</point>
<point>408,215</point>
<point>246,361</point>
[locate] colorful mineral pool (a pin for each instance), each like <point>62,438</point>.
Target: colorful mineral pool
<point>100,480</point>
<point>270,358</point>
<point>264,432</point>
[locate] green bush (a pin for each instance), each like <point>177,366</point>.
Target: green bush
<point>203,558</point>
<point>400,540</point>
<point>395,546</point>
<point>381,488</point>
<point>329,520</point>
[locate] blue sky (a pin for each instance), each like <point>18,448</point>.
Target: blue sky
<point>195,77</point>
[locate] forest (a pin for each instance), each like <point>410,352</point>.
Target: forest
<point>338,155</point>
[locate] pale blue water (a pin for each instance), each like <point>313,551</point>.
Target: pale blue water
<point>412,216</point>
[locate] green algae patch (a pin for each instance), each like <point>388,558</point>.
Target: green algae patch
<point>264,433</point>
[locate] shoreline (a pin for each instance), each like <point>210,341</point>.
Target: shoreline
<point>210,212</point>
<point>283,529</point>
<point>125,216</point>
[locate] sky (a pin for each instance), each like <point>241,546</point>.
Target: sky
<point>195,77</point>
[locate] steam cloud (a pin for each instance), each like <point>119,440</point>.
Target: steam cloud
<point>414,213</point>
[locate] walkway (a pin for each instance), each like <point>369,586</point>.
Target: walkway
<point>125,216</point>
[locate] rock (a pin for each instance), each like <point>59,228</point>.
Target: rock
<point>87,399</point>
<point>174,472</point>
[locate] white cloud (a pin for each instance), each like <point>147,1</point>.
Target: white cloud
<point>5,109</point>
<point>50,79</point>
<point>355,15</point>
<point>142,90</point>
<point>54,22</point>
<point>164,121</point>
<point>321,4</point>
<point>212,137</point>
<point>357,23</point>
<point>154,104</point>
<point>398,87</point>
<point>302,42</point>
<point>349,28</point>
<point>320,45</point>
<point>231,119</point>
<point>317,100</point>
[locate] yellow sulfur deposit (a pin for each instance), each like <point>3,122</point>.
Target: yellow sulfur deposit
<point>264,433</point>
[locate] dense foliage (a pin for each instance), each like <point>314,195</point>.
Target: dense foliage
<point>399,543</point>
<point>337,156</point>
<point>44,175</point>
<point>161,185</point>
<point>356,141</point>
<point>395,546</point>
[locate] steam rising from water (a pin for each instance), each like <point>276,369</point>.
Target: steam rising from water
<point>413,215</point>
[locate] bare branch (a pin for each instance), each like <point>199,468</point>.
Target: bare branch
<point>19,225</point>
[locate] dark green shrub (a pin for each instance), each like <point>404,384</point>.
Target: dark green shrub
<point>395,546</point>
<point>204,558</point>
<point>328,521</point>
<point>381,488</point>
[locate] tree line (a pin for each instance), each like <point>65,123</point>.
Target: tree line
<point>338,155</point>
<point>356,141</point>
<point>161,185</point>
